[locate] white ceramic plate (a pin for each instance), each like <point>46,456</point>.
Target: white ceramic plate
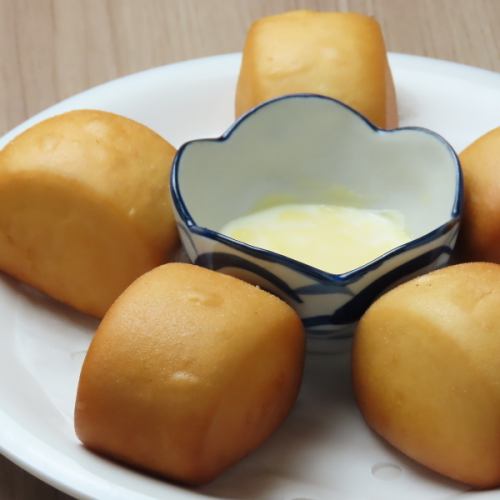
<point>324,451</point>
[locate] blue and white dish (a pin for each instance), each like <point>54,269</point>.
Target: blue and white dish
<point>306,146</point>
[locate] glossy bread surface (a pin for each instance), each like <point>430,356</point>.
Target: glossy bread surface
<point>85,206</point>
<point>189,371</point>
<point>426,360</point>
<point>340,55</point>
<point>480,235</point>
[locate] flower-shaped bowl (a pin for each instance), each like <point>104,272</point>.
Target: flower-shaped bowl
<point>313,149</point>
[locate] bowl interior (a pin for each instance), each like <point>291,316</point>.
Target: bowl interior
<point>308,149</point>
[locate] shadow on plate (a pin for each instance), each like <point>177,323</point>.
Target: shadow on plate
<point>26,295</point>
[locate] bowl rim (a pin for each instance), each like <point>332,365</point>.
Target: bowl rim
<point>296,265</point>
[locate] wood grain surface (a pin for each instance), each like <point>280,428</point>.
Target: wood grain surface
<point>51,49</point>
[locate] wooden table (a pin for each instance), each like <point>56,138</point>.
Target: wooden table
<point>51,49</point>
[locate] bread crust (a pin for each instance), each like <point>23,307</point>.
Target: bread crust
<point>189,371</point>
<point>340,55</point>
<point>479,237</point>
<point>426,359</point>
<point>85,206</point>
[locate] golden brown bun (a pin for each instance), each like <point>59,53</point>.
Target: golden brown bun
<point>426,371</point>
<point>189,371</point>
<point>480,234</point>
<point>85,207</point>
<point>340,55</point>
